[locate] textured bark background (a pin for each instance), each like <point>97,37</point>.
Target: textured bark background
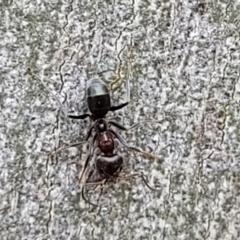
<point>184,71</point>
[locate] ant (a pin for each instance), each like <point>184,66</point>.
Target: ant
<point>108,163</point>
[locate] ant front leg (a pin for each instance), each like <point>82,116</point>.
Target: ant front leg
<point>114,108</point>
<point>121,127</point>
<point>83,116</point>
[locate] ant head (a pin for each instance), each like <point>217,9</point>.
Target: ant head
<point>98,98</point>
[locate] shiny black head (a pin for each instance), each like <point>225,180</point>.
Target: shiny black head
<point>98,98</point>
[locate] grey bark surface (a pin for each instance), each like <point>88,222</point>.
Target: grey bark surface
<point>184,71</point>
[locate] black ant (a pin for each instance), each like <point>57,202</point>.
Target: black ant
<point>108,163</point>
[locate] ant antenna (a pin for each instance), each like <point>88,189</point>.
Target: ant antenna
<point>30,72</point>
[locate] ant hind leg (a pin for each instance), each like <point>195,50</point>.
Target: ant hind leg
<point>86,200</point>
<point>142,177</point>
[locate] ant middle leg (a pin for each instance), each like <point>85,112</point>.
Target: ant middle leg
<point>64,148</point>
<point>125,144</point>
<point>83,116</point>
<point>92,150</point>
<point>74,144</point>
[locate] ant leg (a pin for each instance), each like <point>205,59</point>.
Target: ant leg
<point>83,116</point>
<point>74,144</point>
<point>86,200</point>
<point>101,182</point>
<point>121,127</point>
<point>64,148</point>
<point>144,180</point>
<point>29,71</point>
<point>84,169</point>
<point>90,132</point>
<point>114,108</point>
<point>123,142</point>
<point>91,150</point>
<point>92,184</point>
